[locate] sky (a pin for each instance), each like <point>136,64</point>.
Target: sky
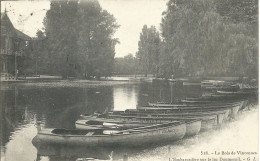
<point>131,15</point>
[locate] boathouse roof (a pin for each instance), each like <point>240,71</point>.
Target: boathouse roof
<point>18,34</point>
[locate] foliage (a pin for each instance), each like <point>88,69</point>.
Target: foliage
<point>198,41</point>
<point>148,50</point>
<point>61,32</point>
<point>95,43</point>
<point>238,11</point>
<point>35,59</point>
<point>79,39</point>
<point>198,38</point>
<point>125,65</point>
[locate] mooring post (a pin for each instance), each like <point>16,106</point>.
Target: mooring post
<point>125,158</point>
<point>38,124</point>
<point>111,155</point>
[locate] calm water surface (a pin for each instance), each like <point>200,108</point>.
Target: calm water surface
<point>57,106</point>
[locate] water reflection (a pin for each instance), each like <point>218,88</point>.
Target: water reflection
<point>60,107</point>
<point>19,147</point>
<point>125,97</point>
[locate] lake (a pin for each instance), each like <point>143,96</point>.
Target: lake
<point>59,104</point>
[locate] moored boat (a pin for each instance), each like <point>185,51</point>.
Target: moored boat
<point>192,126</point>
<point>238,93</point>
<point>222,114</point>
<point>221,95</point>
<point>132,137</point>
<point>166,104</point>
<point>207,122</point>
<point>233,109</point>
<point>191,107</point>
<point>188,104</point>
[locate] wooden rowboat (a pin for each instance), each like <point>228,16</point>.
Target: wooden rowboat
<point>221,97</point>
<point>207,122</point>
<point>234,109</point>
<point>192,126</point>
<point>222,114</point>
<point>194,104</point>
<point>193,107</point>
<point>218,117</point>
<point>132,137</point>
<point>238,93</point>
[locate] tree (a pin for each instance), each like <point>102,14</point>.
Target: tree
<point>198,41</point>
<point>36,58</point>
<point>80,38</point>
<point>125,65</point>
<point>96,43</point>
<point>148,50</point>
<point>61,32</point>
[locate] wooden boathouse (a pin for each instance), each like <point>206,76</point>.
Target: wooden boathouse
<point>13,43</point>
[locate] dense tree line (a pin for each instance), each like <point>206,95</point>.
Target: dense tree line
<point>126,65</point>
<point>196,38</point>
<point>77,40</point>
<point>203,38</point>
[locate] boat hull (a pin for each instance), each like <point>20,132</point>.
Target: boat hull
<point>189,103</point>
<point>193,128</point>
<point>159,135</point>
<point>180,113</point>
<point>207,122</point>
<point>189,108</point>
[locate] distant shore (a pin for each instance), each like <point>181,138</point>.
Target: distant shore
<point>50,78</point>
<point>58,82</point>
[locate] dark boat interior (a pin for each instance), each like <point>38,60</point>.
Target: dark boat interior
<point>76,132</point>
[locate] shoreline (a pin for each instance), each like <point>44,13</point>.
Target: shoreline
<point>227,142</point>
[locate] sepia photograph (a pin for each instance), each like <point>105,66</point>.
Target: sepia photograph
<point>129,80</point>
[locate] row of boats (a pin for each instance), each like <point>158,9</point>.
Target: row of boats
<point>156,123</point>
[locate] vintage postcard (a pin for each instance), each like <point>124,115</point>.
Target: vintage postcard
<point>129,80</point>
